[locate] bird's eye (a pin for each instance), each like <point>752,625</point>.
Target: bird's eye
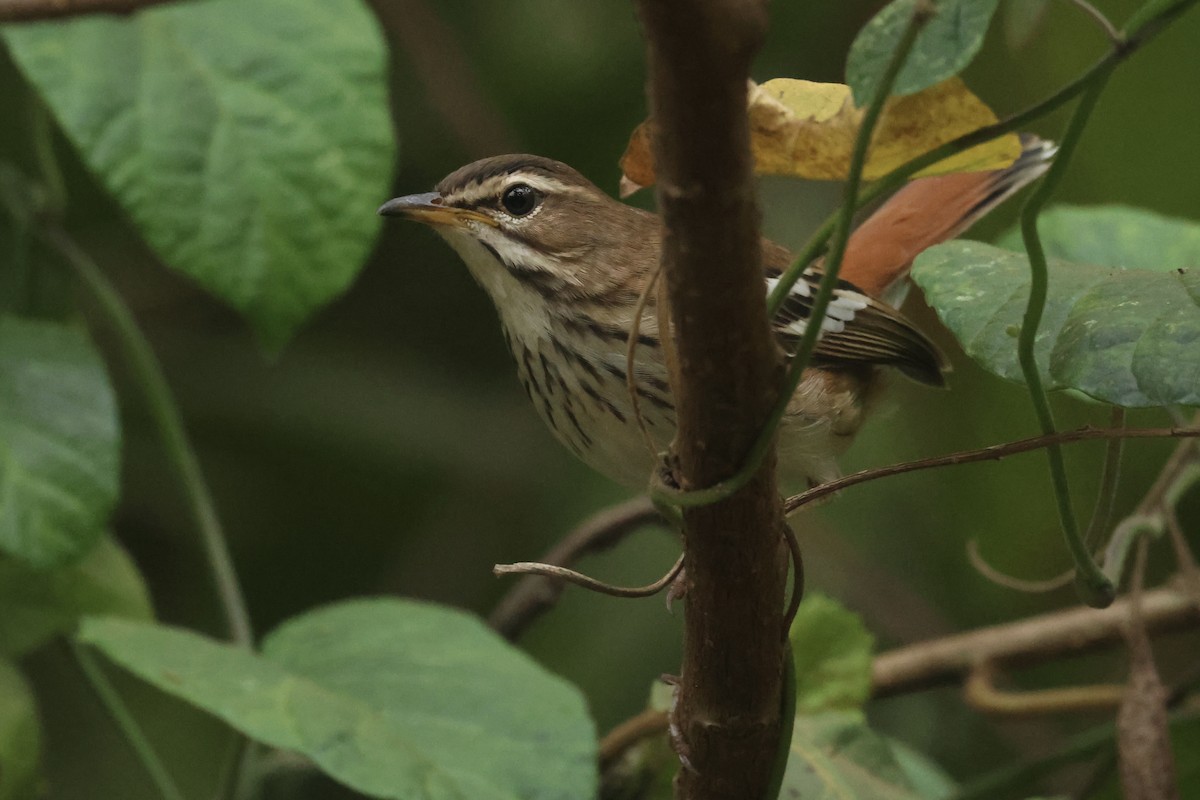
<point>519,200</point>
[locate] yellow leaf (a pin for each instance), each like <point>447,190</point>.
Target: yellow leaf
<point>807,130</point>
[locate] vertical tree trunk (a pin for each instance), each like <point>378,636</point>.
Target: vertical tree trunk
<point>724,381</point>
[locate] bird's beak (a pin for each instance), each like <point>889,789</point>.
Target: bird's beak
<point>428,208</point>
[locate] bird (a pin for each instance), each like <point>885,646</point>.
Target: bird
<point>565,265</point>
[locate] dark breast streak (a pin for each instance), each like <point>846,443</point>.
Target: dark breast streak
<point>576,382</point>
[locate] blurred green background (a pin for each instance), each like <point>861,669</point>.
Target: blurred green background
<point>389,449</point>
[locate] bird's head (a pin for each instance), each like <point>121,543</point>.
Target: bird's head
<point>536,221</point>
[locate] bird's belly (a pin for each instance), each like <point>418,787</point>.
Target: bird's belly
<point>582,395</point>
<point>580,392</point>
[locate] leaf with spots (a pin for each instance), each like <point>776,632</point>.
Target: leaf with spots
<point>1126,331</point>
<point>249,142</point>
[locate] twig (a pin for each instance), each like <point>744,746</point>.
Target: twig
<point>980,692</point>
<point>1028,641</point>
<point>793,544</point>
<point>579,579</point>
<point>1115,37</point>
<point>631,344</point>
<point>650,722</point>
<point>1159,493</point>
<point>992,453</point>
<point>32,10</point>
<point>1110,477</point>
<point>1011,582</point>
<point>1189,572</point>
<point>533,595</point>
<point>130,728</point>
<point>1156,513</point>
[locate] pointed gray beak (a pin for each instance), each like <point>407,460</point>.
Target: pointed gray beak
<point>428,208</point>
<point>411,204</point>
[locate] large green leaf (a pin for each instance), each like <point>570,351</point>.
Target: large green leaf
<point>395,699</point>
<point>1125,336</point>
<point>835,756</point>
<point>59,443</point>
<point>832,651</point>
<point>36,605</point>
<point>1115,236</point>
<point>20,736</point>
<point>249,140</point>
<point>943,48</point>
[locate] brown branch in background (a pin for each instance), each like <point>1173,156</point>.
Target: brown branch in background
<point>33,10</point>
<point>445,72</point>
<point>650,722</point>
<point>724,379</point>
<point>534,595</point>
<point>1155,512</point>
<point>1026,585</point>
<point>1176,466</point>
<point>1147,764</point>
<point>1029,641</point>
<point>981,693</point>
<point>992,453</point>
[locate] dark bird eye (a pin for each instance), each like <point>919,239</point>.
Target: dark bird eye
<point>519,200</point>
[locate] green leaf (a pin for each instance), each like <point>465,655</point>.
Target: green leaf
<point>36,605</point>
<point>835,756</point>
<point>832,651</point>
<point>1127,337</point>
<point>20,736</point>
<point>395,699</point>
<point>928,780</point>
<point>943,48</point>
<point>249,141</point>
<point>1115,236</point>
<point>59,443</point>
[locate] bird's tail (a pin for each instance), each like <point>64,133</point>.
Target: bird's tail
<point>932,210</point>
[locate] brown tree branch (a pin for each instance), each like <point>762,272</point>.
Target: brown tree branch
<point>981,693</point>
<point>557,573</point>
<point>1028,641</point>
<point>993,452</point>
<point>651,722</point>
<point>724,380</point>
<point>33,10</point>
<point>534,595</point>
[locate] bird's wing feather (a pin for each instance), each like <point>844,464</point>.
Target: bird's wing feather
<point>857,329</point>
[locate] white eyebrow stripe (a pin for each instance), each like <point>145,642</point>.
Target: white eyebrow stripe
<point>494,186</point>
